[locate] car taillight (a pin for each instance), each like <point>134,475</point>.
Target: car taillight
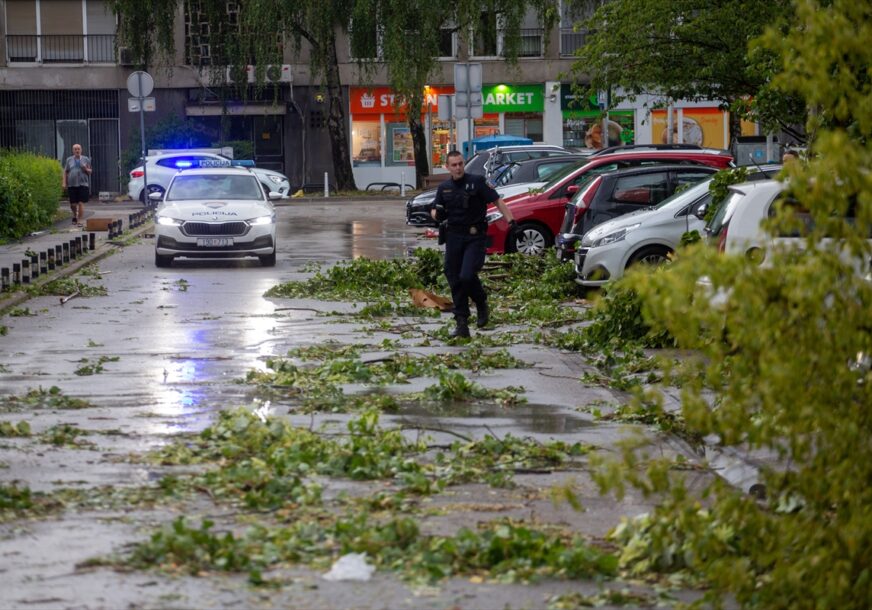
<point>722,240</point>
<point>137,173</point>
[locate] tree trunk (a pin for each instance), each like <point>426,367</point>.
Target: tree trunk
<point>419,141</point>
<point>337,126</point>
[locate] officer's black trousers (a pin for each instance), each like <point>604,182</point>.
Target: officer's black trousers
<point>464,258</point>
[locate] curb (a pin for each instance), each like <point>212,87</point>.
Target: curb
<point>100,252</point>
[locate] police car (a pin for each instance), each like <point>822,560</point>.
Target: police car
<point>214,210</point>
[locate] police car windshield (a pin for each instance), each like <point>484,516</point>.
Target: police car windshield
<point>218,186</point>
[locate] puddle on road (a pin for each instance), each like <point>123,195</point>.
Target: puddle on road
<point>526,417</point>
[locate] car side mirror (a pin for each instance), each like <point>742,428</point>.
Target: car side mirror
<point>156,196</point>
<point>273,196</point>
<point>572,189</point>
<point>700,211</point>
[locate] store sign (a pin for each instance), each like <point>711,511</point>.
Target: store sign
<point>379,100</point>
<point>513,98</point>
<point>577,102</point>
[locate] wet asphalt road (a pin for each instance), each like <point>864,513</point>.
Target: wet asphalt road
<point>173,344</point>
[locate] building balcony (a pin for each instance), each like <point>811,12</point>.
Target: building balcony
<point>60,49</point>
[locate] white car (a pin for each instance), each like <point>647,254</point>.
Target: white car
<point>215,213</point>
<point>162,168</point>
<point>646,236</point>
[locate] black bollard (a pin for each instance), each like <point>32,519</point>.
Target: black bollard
<point>43,263</point>
<point>34,266</point>
<point>4,278</point>
<point>16,274</point>
<point>65,248</point>
<point>84,239</point>
<point>72,245</point>
<point>130,221</point>
<point>92,239</point>
<point>79,249</point>
<point>25,271</point>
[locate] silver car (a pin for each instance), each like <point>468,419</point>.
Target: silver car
<point>648,236</point>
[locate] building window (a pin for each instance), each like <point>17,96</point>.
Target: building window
<point>525,125</point>
<point>59,31</point>
<point>400,150</point>
<point>573,33</point>
<point>448,42</point>
<point>366,142</point>
<point>486,36</point>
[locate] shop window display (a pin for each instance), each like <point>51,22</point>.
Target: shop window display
<point>400,150</point>
<point>366,143</point>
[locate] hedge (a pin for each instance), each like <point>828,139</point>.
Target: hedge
<point>30,188</point>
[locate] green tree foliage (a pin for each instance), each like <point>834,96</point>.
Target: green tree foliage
<point>781,344</point>
<point>685,49</point>
<point>30,188</point>
<point>146,28</point>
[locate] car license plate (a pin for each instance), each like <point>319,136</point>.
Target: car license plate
<point>214,242</point>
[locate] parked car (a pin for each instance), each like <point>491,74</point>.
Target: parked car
<point>535,170</point>
<point>649,235</point>
<point>539,214</point>
<point>162,168</point>
<point>214,212</point>
<point>482,163</point>
<point>645,236</point>
<point>737,228</point>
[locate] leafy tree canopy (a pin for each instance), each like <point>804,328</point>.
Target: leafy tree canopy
<point>785,364</point>
<point>686,49</point>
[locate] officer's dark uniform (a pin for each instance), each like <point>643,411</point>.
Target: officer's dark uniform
<point>463,204</point>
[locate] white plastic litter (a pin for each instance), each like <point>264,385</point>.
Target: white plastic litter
<point>264,411</point>
<point>352,566</point>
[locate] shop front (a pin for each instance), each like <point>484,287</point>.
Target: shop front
<point>583,122</point>
<point>514,110</point>
<point>703,126</point>
<point>381,141</point>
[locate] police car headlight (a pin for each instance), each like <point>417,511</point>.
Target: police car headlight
<point>166,221</point>
<point>262,220</point>
<point>493,217</point>
<point>275,179</point>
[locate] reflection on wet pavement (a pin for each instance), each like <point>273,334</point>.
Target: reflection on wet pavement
<point>532,418</point>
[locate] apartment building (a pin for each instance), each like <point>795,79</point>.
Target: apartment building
<point>63,75</point>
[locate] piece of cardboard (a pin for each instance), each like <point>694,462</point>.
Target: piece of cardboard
<point>422,298</point>
<point>98,224</point>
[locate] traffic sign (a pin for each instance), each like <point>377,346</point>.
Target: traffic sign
<point>140,84</point>
<point>467,77</point>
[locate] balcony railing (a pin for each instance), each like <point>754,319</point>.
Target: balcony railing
<point>531,43</point>
<point>570,40</point>
<point>61,48</point>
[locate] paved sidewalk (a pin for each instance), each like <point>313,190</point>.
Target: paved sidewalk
<point>61,233</point>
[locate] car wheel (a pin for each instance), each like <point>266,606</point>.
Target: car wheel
<point>268,260</point>
<point>652,256</point>
<point>532,239</point>
<point>162,261</point>
<point>152,188</point>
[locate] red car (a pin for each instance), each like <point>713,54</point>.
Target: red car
<point>540,214</point>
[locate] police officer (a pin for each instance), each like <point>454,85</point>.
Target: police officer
<point>461,203</point>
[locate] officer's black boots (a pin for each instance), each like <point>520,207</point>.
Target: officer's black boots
<point>483,314</point>
<point>461,330</point>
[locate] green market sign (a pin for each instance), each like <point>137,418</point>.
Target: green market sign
<point>513,98</point>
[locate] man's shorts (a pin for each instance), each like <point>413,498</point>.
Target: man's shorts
<point>78,194</point>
